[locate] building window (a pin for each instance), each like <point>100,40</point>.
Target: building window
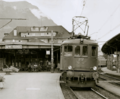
<point>44,28</point>
<point>6,34</point>
<point>34,28</point>
<point>13,40</point>
<point>15,32</point>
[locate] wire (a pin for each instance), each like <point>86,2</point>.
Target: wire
<point>93,33</point>
<point>83,7</point>
<point>110,31</point>
<point>6,24</point>
<point>107,19</point>
<point>82,11</point>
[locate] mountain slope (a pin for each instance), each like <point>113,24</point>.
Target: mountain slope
<point>21,9</point>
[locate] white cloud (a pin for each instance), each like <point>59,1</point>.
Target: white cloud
<point>37,13</point>
<point>15,7</point>
<point>60,11</point>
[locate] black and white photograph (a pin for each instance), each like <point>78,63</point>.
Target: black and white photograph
<point>59,49</point>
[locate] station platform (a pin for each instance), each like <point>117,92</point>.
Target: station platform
<point>42,85</point>
<point>105,70</point>
<point>110,87</point>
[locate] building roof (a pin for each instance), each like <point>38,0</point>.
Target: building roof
<point>112,45</point>
<point>60,30</point>
<point>28,43</point>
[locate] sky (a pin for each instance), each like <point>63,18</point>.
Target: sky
<point>103,15</point>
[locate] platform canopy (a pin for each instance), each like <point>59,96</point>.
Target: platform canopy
<point>112,45</point>
<point>26,45</point>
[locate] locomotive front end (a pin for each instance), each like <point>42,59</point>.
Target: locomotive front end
<point>79,63</point>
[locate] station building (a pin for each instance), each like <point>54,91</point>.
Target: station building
<point>31,45</point>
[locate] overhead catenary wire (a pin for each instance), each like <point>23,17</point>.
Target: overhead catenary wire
<point>109,31</point>
<point>93,33</point>
<point>84,2</point>
<point>107,20</point>
<point>82,8</point>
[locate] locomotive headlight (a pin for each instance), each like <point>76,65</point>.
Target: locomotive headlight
<point>95,68</point>
<point>69,67</point>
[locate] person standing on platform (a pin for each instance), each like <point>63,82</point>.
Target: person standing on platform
<point>58,66</point>
<point>46,64</point>
<point>29,67</point>
<point>1,82</point>
<point>41,64</point>
<point>32,67</point>
<point>49,66</point>
<point>39,67</point>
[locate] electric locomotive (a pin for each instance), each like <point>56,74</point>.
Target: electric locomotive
<point>79,60</point>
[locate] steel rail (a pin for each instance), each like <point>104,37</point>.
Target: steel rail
<point>74,93</point>
<point>93,91</point>
<point>110,77</point>
<point>99,93</point>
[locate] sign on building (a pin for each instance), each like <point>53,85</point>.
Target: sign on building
<point>37,34</point>
<point>13,46</point>
<point>6,34</point>
<point>47,52</point>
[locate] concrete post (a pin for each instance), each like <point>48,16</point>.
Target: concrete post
<point>52,60</point>
<point>118,63</point>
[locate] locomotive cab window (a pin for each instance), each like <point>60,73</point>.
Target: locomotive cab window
<point>68,50</point>
<point>77,51</point>
<point>85,51</point>
<point>94,51</point>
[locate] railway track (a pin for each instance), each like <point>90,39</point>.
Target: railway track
<point>89,94</point>
<point>93,93</point>
<point>70,93</point>
<point>111,79</point>
<point>67,92</point>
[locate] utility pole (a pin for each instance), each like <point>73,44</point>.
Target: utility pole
<point>52,59</point>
